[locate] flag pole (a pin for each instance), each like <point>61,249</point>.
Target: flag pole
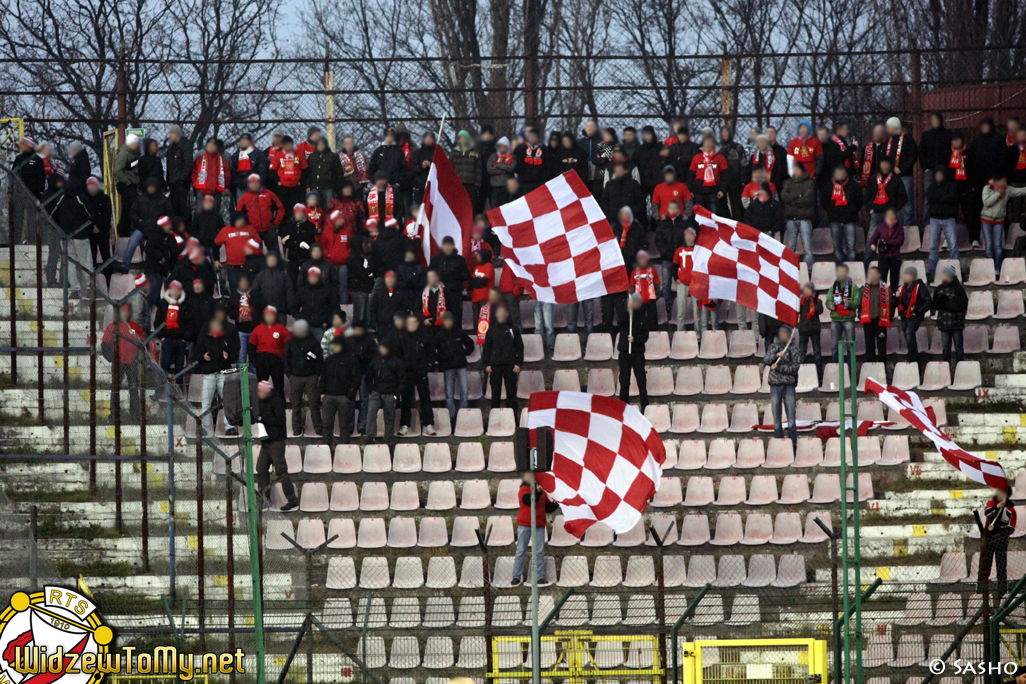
<point>438,138</point>
<point>630,328</point>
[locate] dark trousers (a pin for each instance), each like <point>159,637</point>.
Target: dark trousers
<point>101,242</point>
<point>270,367</point>
<point>737,211</point>
<point>911,327</point>
<point>890,269</point>
<point>710,201</point>
<point>876,341</point>
<point>273,454</point>
<point>332,407</point>
<point>635,361</point>
<point>179,196</point>
<point>129,380</point>
<point>500,196</point>
<point>995,551</point>
<point>475,197</point>
<point>967,201</point>
<point>290,197</point>
<point>817,350</point>
<point>504,375</point>
<point>417,380</point>
<point>172,355</point>
<point>127,193</point>
<point>454,303</point>
<point>305,386</point>
<point>614,306</point>
<point>388,403</point>
<point>949,339</point>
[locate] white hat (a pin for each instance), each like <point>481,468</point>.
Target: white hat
<point>894,122</point>
<point>131,139</point>
<point>502,141</point>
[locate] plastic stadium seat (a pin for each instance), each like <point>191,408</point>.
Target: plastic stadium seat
<point>506,495</point>
<point>895,450</point>
<point>668,494</point>
<point>598,535</point>
<point>827,488</point>
<point>691,455</point>
<point>372,534</point>
<point>441,496</point>
<point>694,530</point>
<point>560,537</point>
<point>795,489</point>
<point>728,530</point>
<point>717,380</point>
<point>906,375</point>
<point>714,418</point>
<point>640,572</point>
<point>658,345</point>
<point>879,652</point>
<point>684,346</point>
<point>948,610</point>
<point>731,491</point>
<point>469,423</point>
<point>751,453</point>
<point>500,457</point>
<point>936,377</point>
<point>1009,305</point>
<point>534,348</point>
<point>342,533</point>
<point>601,382</point>
<point>294,458</point>
<point>660,381</point>
<point>814,534</point>
<point>939,409</point>
<point>872,369</point>
<point>470,457</point>
<point>808,378</point>
<point>944,263</point>
<point>918,609</point>
<point>830,378</point>
<point>641,610</point>
<point>869,450</point>
<point>787,528</point>
<point>344,497</point>
<point>472,577</point>
<point>912,242</point>
<point>605,610</point>
<point>709,611</point>
<point>952,568</point>
<point>968,376</point>
<point>314,497</point>
<point>475,495</point>
<point>670,446</point>
<point>821,242</point>
<point>685,418</point>
<point>714,345</point>
<point>464,531</point>
<point>742,344</point>
<point>699,491</point>
<point>599,347</point>
<point>406,458</point>
<point>437,458</point>
<point>499,530</point>
<point>689,381</point>
<point>376,459</point>
<point>975,339</point>
<point>529,381</point>
<point>341,573</point>
<point>473,653</point>
<point>744,611</point>
<point>758,529</point>
<point>721,454</point>
<point>568,347</point>
<point>731,571</point>
<point>1013,271</point>
<point>701,571</point>
<point>865,487</point>
<point>608,572</point>
<point>573,572</point>
<point>763,491</point>
<point>779,454</point>
<point>981,272</point>
<point>910,651</point>
<point>310,533</point>
<point>823,273</point>
<point>374,496</point>
<point>744,418</point>
<point>562,381</point>
<point>981,306</point>
<point>402,532</point>
<point>405,653</point>
<point>632,537</point>
<point>337,613</point>
<point>659,416</point>
<point>746,380</point>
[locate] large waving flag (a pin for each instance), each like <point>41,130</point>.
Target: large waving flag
<point>911,409</point>
<point>557,241</point>
<point>738,263</point>
<point>607,462</point>
<point>446,210</point>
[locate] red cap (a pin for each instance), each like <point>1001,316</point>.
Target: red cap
<point>173,284</point>
<point>265,385</point>
<point>271,309</point>
<point>163,221</point>
<point>93,180</point>
<point>335,215</point>
<point>141,280</point>
<point>390,273</point>
<point>208,198</point>
<point>314,271</point>
<point>253,177</point>
<point>299,207</point>
<point>391,223</point>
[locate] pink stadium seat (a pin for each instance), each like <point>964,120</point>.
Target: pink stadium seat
<point>742,344</point>
<point>668,494</point>
<point>317,459</point>
<point>821,242</point>
<point>598,535</point>
<point>310,533</point>
<point>795,489</point>
<point>779,454</point>
<point>975,339</point>
<point>744,418</point>
<point>758,529</point>
<point>659,416</point>
<point>830,378</point>
<point>631,538</point>
<point>562,381</point>
<point>341,573</point>
<point>912,242</point>
<point>865,488</point>
<point>376,459</point>
<point>663,525</point>
<point>944,263</point>
<point>895,450</point>
<point>952,568</point>
<point>314,497</point>
<point>660,381</point>
<point>981,272</point>
<point>700,491</point>
<point>714,345</point>
<point>910,651</point>
<point>372,534</point>
<point>601,382</point>
<point>918,264</point>
<point>568,347</point>
<point>701,571</point>
<point>731,571</point>
<point>470,457</point>
<point>684,346</point>
<point>721,455</point>
<point>879,652</point>
<point>751,453</point>
<point>906,375</point>
<point>809,453</point>
<point>981,306</point>
<point>787,528</point>
<point>344,532</point>
<point>791,571</point>
<point>691,455</point>
<point>808,378</point>
<point>464,532</point>
<point>374,496</point>
<point>530,381</point>
<point>717,380</point>
<point>875,370</point>
<point>406,458</point>
<point>857,272</point>
<point>500,422</point>
<point>870,410</point>
<point>506,494</point>
<point>436,383</point>
<point>936,377</point>
<point>658,345</point>
<point>405,497</point>
<point>469,423</point>
<point>728,530</point>
<point>918,609</point>
<point>746,380</point>
<point>948,610</point>
<point>294,458</point>
<point>762,570</point>
<point>685,418</point>
<point>1009,306</point>
<point>1013,271</point>
<point>814,534</point>
<point>827,488</point>
<point>823,275</point>
<point>694,530</point>
<point>499,530</point>
<point>344,497</point>
<point>732,491</point>
<point>689,381</point>
<point>670,446</point>
<point>475,495</point>
<point>608,572</point>
<point>968,376</point>
<point>534,348</point>
<point>437,458</point>
<point>500,457</point>
<point>402,532</point>
<point>939,409</point>
<point>763,490</point>
<point>599,347</point>
<point>1006,340</point>
<point>441,495</point>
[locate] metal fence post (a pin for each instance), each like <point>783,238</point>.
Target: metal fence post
<point>253,521</point>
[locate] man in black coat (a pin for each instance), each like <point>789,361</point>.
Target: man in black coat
<point>683,151</point>
<point>622,191</point>
<point>634,328</point>
<point>534,161</point>
<point>389,301</point>
<point>646,159</point>
<point>316,301</point>
<point>195,265</point>
<point>273,287</point>
<point>736,175</point>
<point>389,158</point>
<point>304,360</point>
<point>420,165</point>
<point>418,355</point>
<point>385,377</point>
<point>212,355</point>
<point>503,356</point>
<point>984,159</point>
<point>30,167</point>
<point>339,383</point>
<point>178,160</point>
<point>272,449</point>
<point>452,270</point>
<point>158,254</point>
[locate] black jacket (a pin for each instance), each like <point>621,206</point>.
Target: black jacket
<point>78,174</point>
<point>99,211</point>
<point>799,199</point>
<point>161,318</point>
<point>943,200</point>
<point>411,279</point>
<point>150,166</point>
<point>205,227</point>
<point>453,271</point>
<point>386,375</point>
<point>341,375</point>
<point>384,307</point>
<point>73,213</point>
<point>909,154</point>
<point>923,300</point>
<point>417,174</point>
<point>216,347</point>
<point>30,169</point>
<point>452,347</point>
<point>833,157</point>
<point>417,350</point>
<point>985,158</point>
<point>934,148</point>
<point>324,170</point>
<point>536,170</point>
<point>158,254</point>
<point>362,271</point>
<point>272,287</point>
<point>178,160</point>
<point>197,311</point>
<point>571,160</point>
<point>329,274</point>
<point>635,242</point>
<point>391,160</point>
<point>303,357</point>
<point>147,209</point>
<point>843,213</point>
<point>620,193</point>
<point>298,233</point>
<point>391,247</point>
<point>669,235</point>
<point>257,165</point>
<point>681,155</point>
<point>809,325</point>
<point>736,174</point>
<point>503,346</point>
<point>639,330</point>
<point>767,217</point>
<point>895,190</point>
<point>185,272</point>
<point>316,304</point>
<point>951,303</point>
<point>272,415</point>
<point>649,165</point>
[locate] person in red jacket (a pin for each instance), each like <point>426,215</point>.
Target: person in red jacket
<point>308,146</point>
<point>263,209</point>
<point>336,239</point>
<point>126,350</point>
<point>542,506</point>
<point>669,190</point>
<point>511,289</point>
<point>644,281</point>
<point>806,149</point>
<point>267,349</point>
<point>210,173</point>
<point>482,278</point>
<point>704,177</point>
<point>234,239</point>
<point>287,168</point>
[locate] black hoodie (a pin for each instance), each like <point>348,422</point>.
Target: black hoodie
<point>935,146</point>
<point>150,165</point>
<point>303,357</point>
<point>81,169</point>
<point>147,208</point>
<point>417,173</point>
<point>317,303</point>
<point>205,227</point>
<point>985,157</point>
<point>650,166</point>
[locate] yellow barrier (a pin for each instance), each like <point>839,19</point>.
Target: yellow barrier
<point>579,655</point>
<point>11,131</point>
<point>110,148</point>
<point>781,661</point>
<point>155,679</point>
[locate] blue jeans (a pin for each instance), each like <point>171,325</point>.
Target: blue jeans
<point>153,294</point>
<point>791,240</point>
<point>543,316</point>
<point>843,236</point>
<point>839,329</point>
<point>994,234</point>
<point>134,242</point>
<point>909,219</point>
<point>523,541</point>
<point>343,284</point>
<point>454,377</point>
<point>947,227</point>
<point>784,395</point>
<point>589,316</point>
<point>243,346</point>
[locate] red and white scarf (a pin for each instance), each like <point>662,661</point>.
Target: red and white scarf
<point>881,188</point>
<point>770,160</point>
<point>840,143</point>
<point>372,202</point>
<point>439,306</point>
<point>839,198</point>
<point>1020,163</point>
<point>407,153</point>
<point>201,178</point>
<point>623,235</point>
<point>1009,139</point>
<point>244,163</point>
<point>533,155</point>
<point>245,308</point>
<point>709,169</point>
<point>867,163</point>
<point>957,162</point>
<point>47,166</point>
<point>171,320</point>
<point>897,153</point>
<point>483,321</point>
<point>354,163</point>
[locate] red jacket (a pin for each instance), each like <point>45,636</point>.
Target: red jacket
<point>509,283</point>
<point>336,244</point>
<point>234,241</point>
<point>304,149</point>
<point>210,174</point>
<point>353,213</point>
<point>130,338</point>
<point>480,294</point>
<point>270,339</point>
<point>541,503</point>
<point>717,165</point>
<point>264,208</point>
<point>663,194</point>
<point>806,151</point>
<point>289,167</point>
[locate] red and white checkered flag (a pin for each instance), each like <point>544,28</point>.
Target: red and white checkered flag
<point>911,409</point>
<point>557,241</point>
<point>608,459</point>
<point>738,263</point>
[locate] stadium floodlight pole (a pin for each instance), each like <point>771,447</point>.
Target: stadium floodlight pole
<point>253,521</point>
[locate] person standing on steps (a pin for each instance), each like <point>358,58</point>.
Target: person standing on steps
<point>542,506</point>
<point>634,329</point>
<point>272,449</point>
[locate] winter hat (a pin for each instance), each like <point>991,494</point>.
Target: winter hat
<point>669,169</point>
<point>911,269</point>
<point>335,215</point>
<point>313,129</point>
<point>141,280</point>
<point>488,128</point>
<point>301,327</point>
<point>894,122</point>
<point>371,222</point>
<point>950,270</point>
<point>246,135</point>
<point>265,386</point>
<point>299,208</point>
<point>390,274</point>
<point>313,271</point>
<point>28,142</point>
<point>176,129</point>
<point>92,180</point>
<point>807,123</point>
<point>173,284</point>
<point>690,229</point>
<point>486,254</point>
<point>648,129</point>
<point>195,253</point>
<point>131,139</point>
<point>642,254</point>
<point>253,177</point>
<point>391,223</point>
<point>766,186</point>
<point>502,141</point>
<point>164,221</point>
<point>271,310</point>
<point>380,175</point>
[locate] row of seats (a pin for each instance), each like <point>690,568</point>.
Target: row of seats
<point>952,565</point>
<point>919,608</point>
<point>911,650</point>
<point>402,532</point>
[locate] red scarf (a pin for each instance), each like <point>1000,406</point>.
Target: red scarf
<point>354,163</point>
<point>840,143</point>
<point>623,235</point>
<point>171,320</point>
<point>811,303</point>
<point>533,155</point>
<point>957,162</point>
<point>372,202</point>
<point>881,188</point>
<point>201,177</point>
<point>897,153</point>
<point>911,300</point>
<point>770,160</point>
<point>483,321</point>
<point>1009,139</point>
<point>839,198</point>
<point>1020,163</point>
<point>867,163</point>
<point>245,308</point>
<point>406,152</point>
<point>47,166</point>
<point>244,164</point>
<point>709,166</point>
<point>644,283</point>
<point>439,307</point>
<point>802,152</point>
